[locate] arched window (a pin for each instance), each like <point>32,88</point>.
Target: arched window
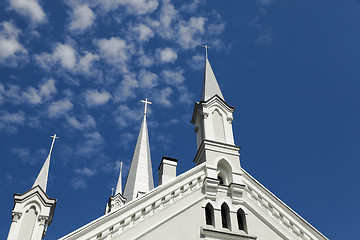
<point>209,214</point>
<point>241,220</point>
<point>225,216</point>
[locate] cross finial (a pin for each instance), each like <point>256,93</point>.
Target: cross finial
<point>146,103</point>
<point>206,51</point>
<point>112,191</point>
<point>53,141</point>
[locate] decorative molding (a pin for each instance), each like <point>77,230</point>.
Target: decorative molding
<point>276,214</point>
<point>213,233</point>
<point>162,201</point>
<point>230,119</point>
<point>205,115</point>
<point>15,216</point>
<point>43,220</point>
<point>211,187</point>
<point>237,192</point>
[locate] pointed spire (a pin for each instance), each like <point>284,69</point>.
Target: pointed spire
<point>42,178</point>
<point>140,177</point>
<point>119,184</point>
<point>210,84</point>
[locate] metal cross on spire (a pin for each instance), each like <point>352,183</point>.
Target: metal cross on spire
<point>206,51</point>
<point>53,141</point>
<point>146,103</point>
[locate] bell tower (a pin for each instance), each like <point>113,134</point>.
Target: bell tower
<point>212,118</point>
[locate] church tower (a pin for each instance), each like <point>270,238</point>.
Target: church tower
<point>33,210</point>
<point>140,177</point>
<point>213,118</point>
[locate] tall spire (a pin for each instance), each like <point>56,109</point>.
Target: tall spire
<point>210,84</point>
<point>140,177</point>
<point>119,184</point>
<point>42,178</point>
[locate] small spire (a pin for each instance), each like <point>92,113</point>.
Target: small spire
<point>42,178</point>
<point>210,84</point>
<point>140,177</point>
<point>119,184</point>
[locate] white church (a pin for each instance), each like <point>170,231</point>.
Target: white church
<point>217,199</point>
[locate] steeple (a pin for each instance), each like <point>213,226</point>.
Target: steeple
<point>42,178</point>
<point>140,177</point>
<point>33,210</point>
<point>116,200</point>
<point>119,184</point>
<point>213,118</point>
<point>210,85</point>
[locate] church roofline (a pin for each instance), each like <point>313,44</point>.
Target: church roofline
<point>280,203</point>
<point>138,204</point>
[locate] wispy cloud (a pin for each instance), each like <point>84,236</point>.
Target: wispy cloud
<point>96,98</point>
<point>12,52</point>
<point>30,9</point>
<point>10,121</point>
<point>59,108</point>
<point>81,18</point>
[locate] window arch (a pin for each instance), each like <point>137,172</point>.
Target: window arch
<point>224,172</point>
<point>241,220</point>
<point>209,214</point>
<point>225,216</point>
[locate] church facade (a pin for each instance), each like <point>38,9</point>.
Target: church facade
<point>217,199</point>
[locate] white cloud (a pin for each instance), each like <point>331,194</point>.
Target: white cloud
<point>86,171</point>
<point>196,62</point>
<point>10,121</point>
<point>36,96</point>
<point>145,61</point>
<point>14,95</point>
<point>115,51</point>
<point>59,108</point>
<point>96,98</point>
<point>81,18</point>
<point>144,32</point>
<point>173,77</point>
<point>93,144</point>
<point>11,50</point>
<point>85,122</point>
<point>126,88</point>
<point>67,57</point>
<point>29,8</point>
<point>124,115</point>
<point>188,35</point>
<point>167,55</point>
<point>86,62</point>
<point>135,7</point>
<point>168,15</point>
<point>162,97</point>
<point>148,79</point>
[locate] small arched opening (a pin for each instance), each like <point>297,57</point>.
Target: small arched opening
<point>225,216</point>
<point>241,220</point>
<point>209,215</point>
<point>224,174</point>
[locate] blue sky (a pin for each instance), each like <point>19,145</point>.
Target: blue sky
<point>80,68</point>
